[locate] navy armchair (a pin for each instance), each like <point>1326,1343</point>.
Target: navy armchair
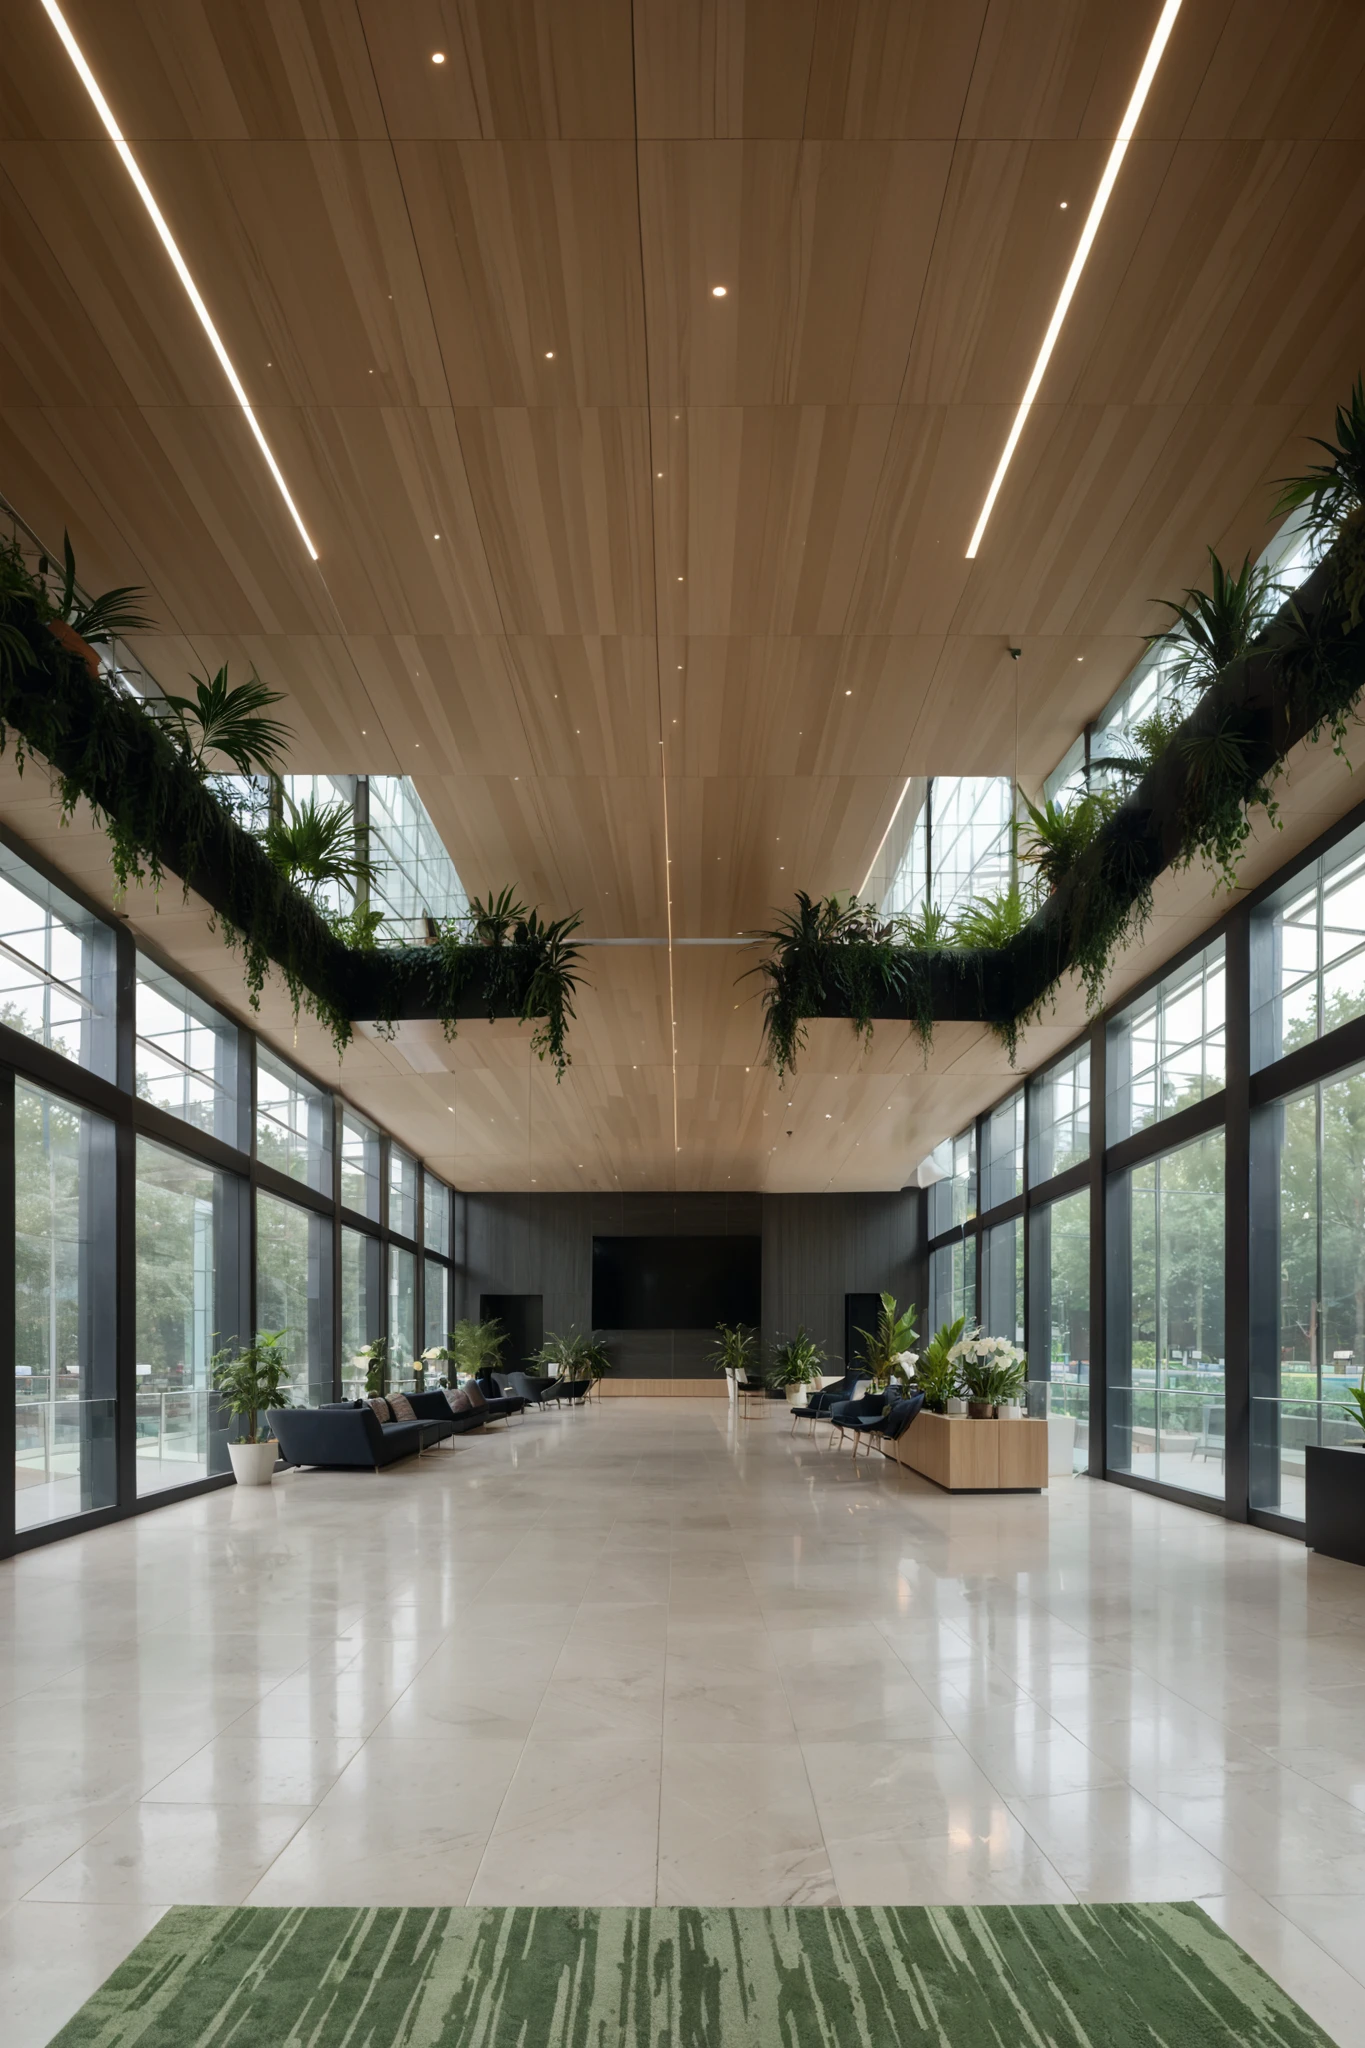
<point>818,1404</point>
<point>845,1415</point>
<point>894,1420</point>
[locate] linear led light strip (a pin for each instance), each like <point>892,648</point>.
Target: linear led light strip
<point>1073,277</point>
<point>87,78</point>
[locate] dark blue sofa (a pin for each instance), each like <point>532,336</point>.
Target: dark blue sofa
<point>349,1433</point>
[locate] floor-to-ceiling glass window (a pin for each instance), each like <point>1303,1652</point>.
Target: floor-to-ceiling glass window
<point>65,1452</point>
<point>293,1123</point>
<point>1002,1280</point>
<point>362,1307</point>
<point>1167,1408</point>
<point>1308,1281</point>
<point>1059,1315</point>
<point>57,976</point>
<point>402,1192</point>
<point>293,1261</point>
<point>402,1316</point>
<point>359,1165</point>
<point>186,1054</point>
<point>952,1282</point>
<point>436,1304</point>
<point>181,1214</point>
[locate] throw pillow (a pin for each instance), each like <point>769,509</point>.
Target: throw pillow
<point>459,1403</point>
<point>381,1409</point>
<point>403,1410</point>
<point>474,1395</point>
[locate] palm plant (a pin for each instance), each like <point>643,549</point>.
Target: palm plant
<point>989,922</point>
<point>1061,833</point>
<point>937,1373</point>
<point>796,1361</point>
<point>561,1357</point>
<point>737,1349</point>
<point>929,928</point>
<point>1216,627</point>
<point>594,1360</point>
<point>320,846</point>
<point>97,619</point>
<point>493,922</point>
<point>230,721</point>
<point>475,1347</point>
<point>1329,492</point>
<point>887,1348</point>
<point>252,1379</point>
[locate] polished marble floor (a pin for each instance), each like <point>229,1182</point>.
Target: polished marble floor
<point>648,1651</point>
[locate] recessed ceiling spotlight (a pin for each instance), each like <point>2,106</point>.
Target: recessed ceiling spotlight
<point>718,291</point>
<point>549,355</point>
<point>144,193</point>
<point>848,693</point>
<point>1155,49</point>
<point>1062,205</point>
<point>438,56</point>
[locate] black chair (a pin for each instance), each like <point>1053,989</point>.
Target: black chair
<point>843,1416</point>
<point>531,1389</point>
<point>495,1402</point>
<point>749,1390</point>
<point>894,1420</point>
<point>819,1403</point>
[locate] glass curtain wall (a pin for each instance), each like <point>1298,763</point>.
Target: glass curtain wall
<point>65,1450</point>
<point>157,1193</point>
<point>1167,1397</point>
<point>293,1261</point>
<point>180,1221</point>
<point>1059,1312</point>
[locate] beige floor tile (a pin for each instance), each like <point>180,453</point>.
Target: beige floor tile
<point>738,1827</point>
<point>175,1855</point>
<point>579,1825</point>
<point>53,1957</point>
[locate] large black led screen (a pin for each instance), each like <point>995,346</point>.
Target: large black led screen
<point>675,1283</point>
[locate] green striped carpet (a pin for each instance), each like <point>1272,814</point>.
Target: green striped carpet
<point>689,1977</point>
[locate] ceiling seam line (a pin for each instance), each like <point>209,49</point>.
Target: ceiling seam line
<point>654,565</point>
<point>445,371</point>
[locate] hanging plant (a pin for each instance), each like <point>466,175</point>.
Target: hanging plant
<point>149,777</point>
<point>1269,672</point>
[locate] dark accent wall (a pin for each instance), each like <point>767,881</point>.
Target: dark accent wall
<point>816,1249</point>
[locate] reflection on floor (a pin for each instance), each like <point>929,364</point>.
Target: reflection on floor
<point>649,1652</point>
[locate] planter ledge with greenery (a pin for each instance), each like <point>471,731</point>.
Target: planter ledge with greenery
<point>146,771</point>
<point>1261,675</point>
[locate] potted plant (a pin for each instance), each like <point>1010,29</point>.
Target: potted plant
<point>982,1361</point>
<point>936,1375</point>
<point>594,1361</point>
<point>735,1354</point>
<point>248,1382</point>
<point>796,1364</point>
<point>373,1361</point>
<point>888,1348</point>
<point>1006,1387</point>
<point>473,1347</point>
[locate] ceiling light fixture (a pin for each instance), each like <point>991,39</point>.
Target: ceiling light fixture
<point>718,291</point>
<point>438,56</point>
<point>101,105</point>
<point>1155,50</point>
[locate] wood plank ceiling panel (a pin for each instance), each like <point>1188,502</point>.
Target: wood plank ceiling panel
<point>579,519</point>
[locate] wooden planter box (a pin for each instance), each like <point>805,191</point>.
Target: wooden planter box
<point>1334,1521</point>
<point>963,1455</point>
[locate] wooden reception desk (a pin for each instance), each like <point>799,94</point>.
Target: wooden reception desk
<point>964,1455</point>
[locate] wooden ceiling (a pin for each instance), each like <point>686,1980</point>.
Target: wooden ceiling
<point>590,536</point>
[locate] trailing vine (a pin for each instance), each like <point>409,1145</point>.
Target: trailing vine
<point>1273,671</point>
<point>163,813</point>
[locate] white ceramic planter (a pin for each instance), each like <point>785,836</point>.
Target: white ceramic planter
<point>732,1384</point>
<point>1009,1411</point>
<point>1061,1443</point>
<point>254,1464</point>
<point>796,1396</point>
<point>955,1406</point>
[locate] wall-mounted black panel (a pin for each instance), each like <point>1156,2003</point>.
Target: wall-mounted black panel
<point>676,1283</point>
